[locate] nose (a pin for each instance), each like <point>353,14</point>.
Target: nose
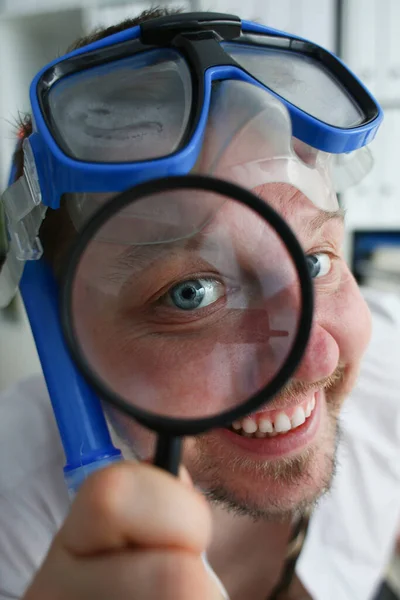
<point>321,356</point>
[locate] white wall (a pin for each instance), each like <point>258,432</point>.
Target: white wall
<point>371,47</point>
<point>313,19</point>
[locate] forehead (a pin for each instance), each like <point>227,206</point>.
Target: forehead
<point>298,211</point>
<point>233,226</point>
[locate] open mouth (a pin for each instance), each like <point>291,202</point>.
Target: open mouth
<point>268,424</point>
<point>272,434</point>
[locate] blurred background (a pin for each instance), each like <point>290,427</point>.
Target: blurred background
<point>365,33</point>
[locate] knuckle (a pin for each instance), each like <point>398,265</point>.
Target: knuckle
<point>104,490</point>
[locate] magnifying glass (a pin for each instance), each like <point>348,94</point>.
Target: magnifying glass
<point>186,304</point>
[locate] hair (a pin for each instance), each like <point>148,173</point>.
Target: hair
<point>57,231</point>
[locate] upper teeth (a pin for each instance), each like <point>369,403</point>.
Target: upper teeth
<point>281,422</point>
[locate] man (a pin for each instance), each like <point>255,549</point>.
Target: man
<point>134,531</point>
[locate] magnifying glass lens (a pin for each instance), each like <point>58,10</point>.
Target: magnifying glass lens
<point>185,303</point>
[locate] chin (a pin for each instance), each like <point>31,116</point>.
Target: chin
<point>270,479</point>
<point>263,487</point>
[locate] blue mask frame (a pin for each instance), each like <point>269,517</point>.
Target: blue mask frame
<point>59,173</point>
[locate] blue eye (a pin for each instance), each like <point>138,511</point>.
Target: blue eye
<point>319,264</point>
<point>194,293</point>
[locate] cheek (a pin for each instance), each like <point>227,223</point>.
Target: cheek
<point>177,379</point>
<point>346,317</point>
<point>191,374</point>
<point>138,442</point>
<point>130,436</point>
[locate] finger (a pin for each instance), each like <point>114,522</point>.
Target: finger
<point>139,505</point>
<point>144,574</point>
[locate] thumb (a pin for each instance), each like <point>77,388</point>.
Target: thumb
<point>132,504</point>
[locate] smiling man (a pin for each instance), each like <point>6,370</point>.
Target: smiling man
<point>188,316</point>
<point>285,454</point>
<point>221,335</point>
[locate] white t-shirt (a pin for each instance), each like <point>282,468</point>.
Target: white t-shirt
<point>352,531</point>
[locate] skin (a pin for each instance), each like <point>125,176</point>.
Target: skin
<point>208,359</point>
<point>340,334</point>
<point>163,336</point>
<point>114,544</point>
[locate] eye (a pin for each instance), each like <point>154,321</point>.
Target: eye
<point>194,293</point>
<point>319,264</point>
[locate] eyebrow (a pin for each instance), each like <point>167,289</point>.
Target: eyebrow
<point>324,216</point>
<point>140,256</point>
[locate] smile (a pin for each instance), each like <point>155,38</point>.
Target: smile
<point>271,434</point>
<point>277,422</point>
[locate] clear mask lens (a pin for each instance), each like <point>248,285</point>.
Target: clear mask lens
<point>301,80</point>
<point>128,110</point>
<point>248,140</point>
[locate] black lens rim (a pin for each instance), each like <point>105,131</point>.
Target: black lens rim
<point>168,425</point>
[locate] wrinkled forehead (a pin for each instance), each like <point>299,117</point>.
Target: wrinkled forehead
<point>183,215</point>
<point>304,218</point>
<point>291,204</point>
<point>231,239</point>
<point>193,219</point>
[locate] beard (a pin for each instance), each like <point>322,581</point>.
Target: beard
<point>243,485</point>
<point>287,473</point>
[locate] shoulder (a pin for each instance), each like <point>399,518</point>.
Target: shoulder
<point>28,433</point>
<point>33,496</point>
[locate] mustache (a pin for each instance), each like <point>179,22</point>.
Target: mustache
<point>293,388</point>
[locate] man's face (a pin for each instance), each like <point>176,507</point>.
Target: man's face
<point>197,362</point>
<point>294,468</point>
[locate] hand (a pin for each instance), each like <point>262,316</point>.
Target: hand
<point>134,531</point>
